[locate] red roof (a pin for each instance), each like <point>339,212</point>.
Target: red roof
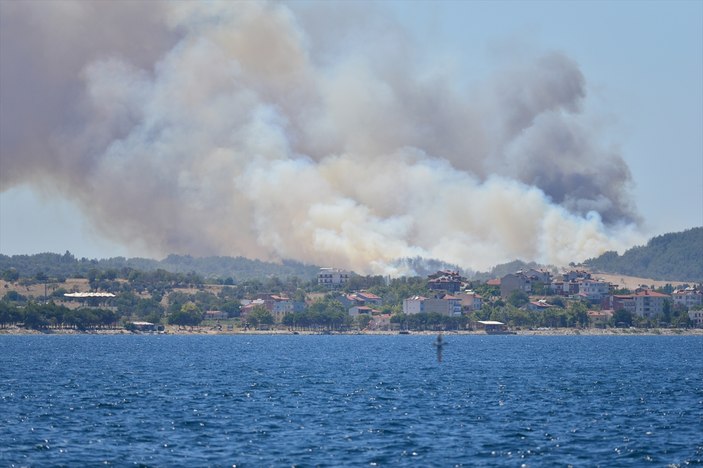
<point>651,293</point>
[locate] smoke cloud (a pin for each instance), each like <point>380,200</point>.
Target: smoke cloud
<point>256,129</point>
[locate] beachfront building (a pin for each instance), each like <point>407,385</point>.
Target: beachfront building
<point>277,305</point>
<point>696,316</point>
<point>443,304</point>
<point>332,277</point>
<point>644,303</point>
<point>599,318</point>
<point>414,305</point>
<point>688,297</point>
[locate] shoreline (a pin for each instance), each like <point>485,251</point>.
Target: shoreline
<point>171,330</point>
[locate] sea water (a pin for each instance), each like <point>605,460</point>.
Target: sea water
<point>350,400</point>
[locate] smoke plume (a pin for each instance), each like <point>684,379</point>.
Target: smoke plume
<point>261,130</point>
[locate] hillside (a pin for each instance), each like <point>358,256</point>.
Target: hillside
<point>674,256</point>
<point>239,268</point>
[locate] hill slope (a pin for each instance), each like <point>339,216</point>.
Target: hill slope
<point>239,268</point>
<point>674,256</point>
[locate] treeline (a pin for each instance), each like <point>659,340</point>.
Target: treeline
<point>51,315</point>
<point>236,269</point>
<point>675,256</point>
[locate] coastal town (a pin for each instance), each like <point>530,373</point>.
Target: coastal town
<point>340,301</point>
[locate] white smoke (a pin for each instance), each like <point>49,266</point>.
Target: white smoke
<point>239,135</point>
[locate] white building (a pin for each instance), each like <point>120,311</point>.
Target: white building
<point>594,290</point>
<point>688,297</point>
<point>332,277</point>
<point>444,305</point>
<point>414,305</point>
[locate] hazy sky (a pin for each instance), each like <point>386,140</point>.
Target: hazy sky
<point>637,69</point>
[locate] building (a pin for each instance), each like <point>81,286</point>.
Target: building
<point>216,315</point>
<point>574,275</point>
<point>599,318</point>
<point>332,277</point>
<point>361,310</point>
<point>539,276</point>
<point>688,297</point>
<point>644,303</point>
<point>649,303</point>
<point>593,290</point>
<point>445,280</point>
<point>443,304</point>
<point>696,316</point>
<point>277,305</point>
<point>514,282</point>
<point>414,305</point>
<point>470,301</point>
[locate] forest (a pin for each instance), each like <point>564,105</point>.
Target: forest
<point>673,256</point>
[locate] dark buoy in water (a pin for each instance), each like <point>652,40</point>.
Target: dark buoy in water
<point>439,344</point>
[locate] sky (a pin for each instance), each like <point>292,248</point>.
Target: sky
<point>547,131</point>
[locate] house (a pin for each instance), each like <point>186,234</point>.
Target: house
<point>216,315</point>
<point>573,275</point>
<point>445,280</point>
<point>514,282</point>
<point>539,276</point>
<point>688,297</point>
<point>380,322</point>
<point>277,305</point>
<point>332,277</point>
<point>361,310</point>
<point>359,299</point>
<point>470,301</point>
<point>600,318</point>
<point>696,316</point>
<point>249,305</point>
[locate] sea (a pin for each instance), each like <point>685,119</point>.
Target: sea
<point>350,400</point>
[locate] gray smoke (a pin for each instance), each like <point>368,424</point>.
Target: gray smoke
<point>258,129</point>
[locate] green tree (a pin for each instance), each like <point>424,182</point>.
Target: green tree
<point>260,315</point>
<point>518,298</point>
<point>187,316</point>
<point>621,318</point>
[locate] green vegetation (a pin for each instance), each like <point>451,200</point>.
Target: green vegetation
<point>677,256</point>
<point>225,269</point>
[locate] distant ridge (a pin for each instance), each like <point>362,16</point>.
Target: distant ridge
<point>674,256</point>
<point>238,268</point>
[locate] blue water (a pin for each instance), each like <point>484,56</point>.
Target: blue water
<point>350,400</point>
